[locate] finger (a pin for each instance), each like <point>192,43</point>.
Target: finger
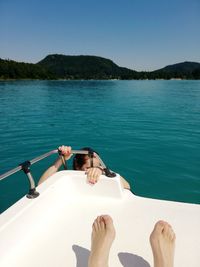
<point>60,148</point>
<point>91,180</point>
<point>97,175</point>
<point>66,150</point>
<point>89,176</point>
<point>95,179</point>
<point>93,175</point>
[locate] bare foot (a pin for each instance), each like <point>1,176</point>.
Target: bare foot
<point>162,241</point>
<point>103,235</point>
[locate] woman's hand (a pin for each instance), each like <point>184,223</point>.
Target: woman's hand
<point>65,151</point>
<point>93,174</point>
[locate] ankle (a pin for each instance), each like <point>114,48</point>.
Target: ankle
<point>94,262</point>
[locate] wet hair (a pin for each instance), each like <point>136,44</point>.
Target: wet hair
<point>80,159</point>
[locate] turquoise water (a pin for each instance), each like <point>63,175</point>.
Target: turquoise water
<point>148,131</point>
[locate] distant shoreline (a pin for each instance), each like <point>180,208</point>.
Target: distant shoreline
<point>62,67</point>
<point>70,80</point>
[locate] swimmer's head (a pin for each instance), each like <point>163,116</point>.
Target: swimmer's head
<point>83,162</point>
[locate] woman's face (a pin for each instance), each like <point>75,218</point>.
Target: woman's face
<point>87,163</point>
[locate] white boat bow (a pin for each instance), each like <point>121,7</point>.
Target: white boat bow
<point>54,229</point>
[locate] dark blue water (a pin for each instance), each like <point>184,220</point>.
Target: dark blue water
<point>148,131</point>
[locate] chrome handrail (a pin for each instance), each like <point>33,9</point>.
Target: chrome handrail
<point>25,166</point>
<point>19,168</point>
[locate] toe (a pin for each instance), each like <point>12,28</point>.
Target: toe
<point>107,219</point>
<point>159,226</point>
<point>95,225</point>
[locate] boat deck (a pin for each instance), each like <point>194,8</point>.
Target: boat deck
<point>55,228</point>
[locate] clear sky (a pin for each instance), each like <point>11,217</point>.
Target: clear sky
<point>138,34</point>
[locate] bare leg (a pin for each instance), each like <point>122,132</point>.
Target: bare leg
<point>162,241</point>
<point>103,235</point>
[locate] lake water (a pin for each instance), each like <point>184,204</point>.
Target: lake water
<point>148,131</point>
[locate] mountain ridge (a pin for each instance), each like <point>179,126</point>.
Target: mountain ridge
<point>184,66</point>
<point>58,66</point>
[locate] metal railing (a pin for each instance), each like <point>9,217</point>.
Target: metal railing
<point>25,167</point>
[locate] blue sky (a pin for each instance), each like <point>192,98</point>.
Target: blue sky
<point>138,34</point>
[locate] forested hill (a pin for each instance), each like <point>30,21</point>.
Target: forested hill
<point>84,67</point>
<point>184,70</point>
<point>10,69</point>
<point>183,67</point>
<point>90,67</point>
